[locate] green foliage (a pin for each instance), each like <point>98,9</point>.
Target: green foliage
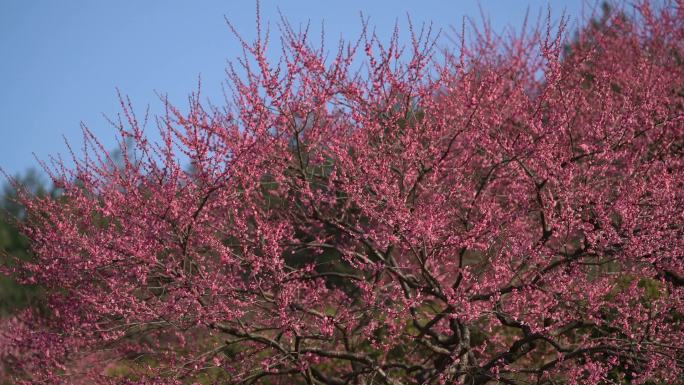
<point>14,246</point>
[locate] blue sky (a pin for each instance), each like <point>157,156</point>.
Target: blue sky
<point>61,61</point>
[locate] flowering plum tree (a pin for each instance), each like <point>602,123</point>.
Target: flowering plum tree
<point>509,214</point>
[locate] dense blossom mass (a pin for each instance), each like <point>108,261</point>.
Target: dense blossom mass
<point>509,213</point>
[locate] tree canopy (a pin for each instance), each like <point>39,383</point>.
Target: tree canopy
<point>509,213</point>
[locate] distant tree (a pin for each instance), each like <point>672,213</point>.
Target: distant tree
<point>428,222</point>
<point>13,245</point>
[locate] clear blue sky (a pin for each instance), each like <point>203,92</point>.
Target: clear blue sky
<point>61,60</point>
